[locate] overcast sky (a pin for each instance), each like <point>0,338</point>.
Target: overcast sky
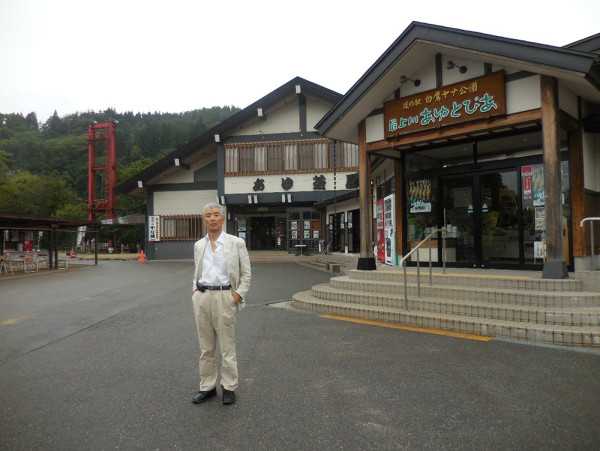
<point>179,55</point>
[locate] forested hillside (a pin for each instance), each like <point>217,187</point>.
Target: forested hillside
<point>43,167</point>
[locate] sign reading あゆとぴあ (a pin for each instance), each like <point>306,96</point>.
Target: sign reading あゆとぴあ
<point>469,100</point>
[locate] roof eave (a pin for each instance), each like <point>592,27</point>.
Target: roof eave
<point>543,55</point>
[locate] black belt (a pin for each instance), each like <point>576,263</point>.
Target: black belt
<point>203,288</point>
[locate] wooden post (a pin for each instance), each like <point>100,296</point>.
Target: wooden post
<point>555,266</point>
<point>366,260</point>
<point>399,182</point>
<point>577,191</point>
<point>50,248</point>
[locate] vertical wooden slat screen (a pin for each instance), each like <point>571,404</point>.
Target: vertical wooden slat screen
<point>281,157</point>
<point>180,227</point>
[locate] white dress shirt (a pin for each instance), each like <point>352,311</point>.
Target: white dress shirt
<point>214,266</point>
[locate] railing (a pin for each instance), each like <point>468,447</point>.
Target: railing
<point>428,239</point>
<point>591,221</point>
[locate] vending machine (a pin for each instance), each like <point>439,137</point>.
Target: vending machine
<point>379,232</point>
<point>390,230</point>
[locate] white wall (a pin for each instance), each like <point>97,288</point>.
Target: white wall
<point>375,128</point>
<point>315,110</point>
<point>284,119</point>
<point>523,95</point>
<point>187,175</point>
<point>182,202</point>
<point>591,161</point>
<point>567,101</point>
<point>302,182</point>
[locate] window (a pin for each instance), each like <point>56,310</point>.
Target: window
<point>279,157</point>
<point>306,155</point>
<point>291,157</point>
<point>181,228</point>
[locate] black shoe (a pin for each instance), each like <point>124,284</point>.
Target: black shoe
<point>202,396</point>
<point>228,396</point>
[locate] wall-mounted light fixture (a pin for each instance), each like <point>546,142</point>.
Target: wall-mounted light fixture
<point>298,89</point>
<point>222,200</point>
<point>451,65</point>
<point>249,198</point>
<point>404,79</point>
<point>217,139</point>
<point>140,184</point>
<point>283,198</point>
<point>255,199</point>
<point>289,196</point>
<point>261,114</point>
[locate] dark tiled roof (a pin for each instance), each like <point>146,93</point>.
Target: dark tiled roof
<point>226,127</point>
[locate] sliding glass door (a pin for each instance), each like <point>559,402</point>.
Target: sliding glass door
<point>481,216</point>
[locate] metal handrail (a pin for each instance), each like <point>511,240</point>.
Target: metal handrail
<point>407,256</point>
<point>591,220</point>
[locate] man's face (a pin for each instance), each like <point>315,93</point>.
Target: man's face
<point>213,219</point>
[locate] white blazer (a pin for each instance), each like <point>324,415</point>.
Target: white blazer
<point>238,264</point>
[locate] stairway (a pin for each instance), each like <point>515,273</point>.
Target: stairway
<point>515,306</point>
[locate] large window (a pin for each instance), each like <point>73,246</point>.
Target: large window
<point>289,156</point>
<point>181,228</point>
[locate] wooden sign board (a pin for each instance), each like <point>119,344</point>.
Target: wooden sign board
<point>469,100</point>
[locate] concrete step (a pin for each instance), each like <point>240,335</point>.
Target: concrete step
<point>521,296</point>
<point>482,279</point>
<point>568,316</point>
<point>587,336</point>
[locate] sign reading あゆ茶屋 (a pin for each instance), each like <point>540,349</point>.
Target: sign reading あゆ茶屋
<point>465,101</point>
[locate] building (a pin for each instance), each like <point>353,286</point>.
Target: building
<point>267,165</point>
<point>495,140</point>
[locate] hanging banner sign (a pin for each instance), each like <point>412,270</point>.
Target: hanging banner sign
<point>153,228</point>
<point>469,100</point>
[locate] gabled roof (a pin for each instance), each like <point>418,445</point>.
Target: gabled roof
<point>589,44</point>
<point>206,141</point>
<point>419,43</point>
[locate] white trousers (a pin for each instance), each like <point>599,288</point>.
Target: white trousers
<point>215,313</point>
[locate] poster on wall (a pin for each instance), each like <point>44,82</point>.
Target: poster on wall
<point>153,228</point>
<point>540,218</point>
<point>537,185</point>
<point>380,239</point>
<point>390,229</point>
<point>526,174</point>
<point>462,196</point>
<point>539,249</point>
<point>419,196</point>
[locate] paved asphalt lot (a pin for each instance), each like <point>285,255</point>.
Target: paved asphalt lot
<point>106,358</point>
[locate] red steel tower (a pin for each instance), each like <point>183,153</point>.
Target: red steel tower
<point>102,179</point>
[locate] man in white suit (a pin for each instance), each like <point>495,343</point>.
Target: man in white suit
<point>221,281</point>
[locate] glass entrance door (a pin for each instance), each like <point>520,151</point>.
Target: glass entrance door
<point>500,237</point>
<point>480,213</point>
<point>457,202</point>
